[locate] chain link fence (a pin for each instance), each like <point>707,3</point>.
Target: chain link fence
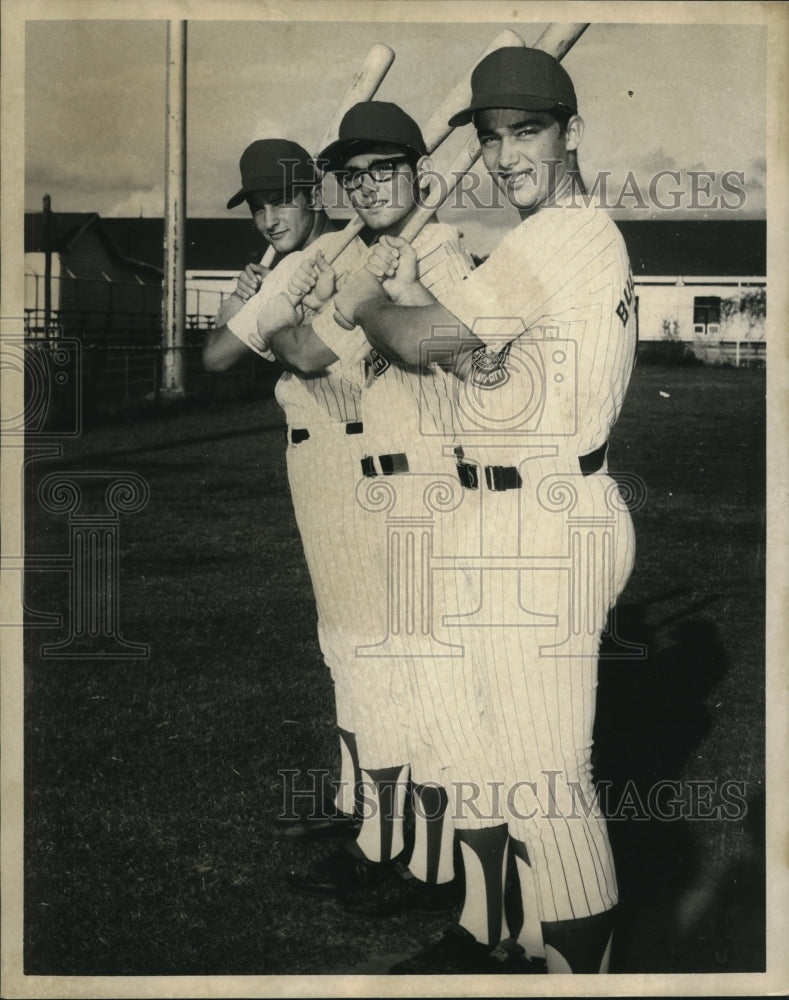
<point>116,363</point>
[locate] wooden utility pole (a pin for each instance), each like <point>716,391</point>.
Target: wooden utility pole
<point>174,297</point>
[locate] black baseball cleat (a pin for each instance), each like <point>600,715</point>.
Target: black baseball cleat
<point>328,824</point>
<point>402,893</point>
<point>509,956</point>
<point>344,871</point>
<point>458,952</point>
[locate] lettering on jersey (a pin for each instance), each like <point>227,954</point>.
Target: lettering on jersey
<point>625,303</point>
<point>489,369</point>
<point>376,363</point>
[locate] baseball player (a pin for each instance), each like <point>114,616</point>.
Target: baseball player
<point>280,185</point>
<point>548,347</point>
<point>379,160</point>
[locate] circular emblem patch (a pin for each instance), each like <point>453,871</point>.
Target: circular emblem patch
<point>489,369</point>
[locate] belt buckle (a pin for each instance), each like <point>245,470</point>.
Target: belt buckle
<point>468,475</point>
<point>502,477</point>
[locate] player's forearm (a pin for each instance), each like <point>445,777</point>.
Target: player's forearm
<point>402,333</point>
<point>301,350</point>
<point>228,343</point>
<point>229,307</point>
<point>222,349</point>
<point>415,294</point>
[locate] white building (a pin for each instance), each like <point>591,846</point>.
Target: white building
<point>701,283</point>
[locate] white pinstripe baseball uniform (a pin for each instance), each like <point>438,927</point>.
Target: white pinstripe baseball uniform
<point>411,413</point>
<point>554,306</point>
<point>323,416</point>
<point>345,545</point>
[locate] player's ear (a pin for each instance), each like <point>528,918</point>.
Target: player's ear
<point>573,133</point>
<point>424,172</point>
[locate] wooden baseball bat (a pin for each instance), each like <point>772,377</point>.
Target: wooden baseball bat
<point>441,188</point>
<point>556,40</point>
<point>363,87</point>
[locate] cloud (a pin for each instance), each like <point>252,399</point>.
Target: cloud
<point>108,174</point>
<point>756,175</point>
<point>656,159</point>
<point>95,99</point>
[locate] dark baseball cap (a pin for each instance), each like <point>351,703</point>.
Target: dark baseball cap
<point>526,79</point>
<point>372,122</point>
<point>273,165</point>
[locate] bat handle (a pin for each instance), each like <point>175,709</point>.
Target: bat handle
<point>341,242</point>
<point>439,194</point>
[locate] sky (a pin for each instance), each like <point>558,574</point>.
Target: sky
<point>687,98</point>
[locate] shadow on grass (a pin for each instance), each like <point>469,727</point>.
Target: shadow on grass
<point>652,715</point>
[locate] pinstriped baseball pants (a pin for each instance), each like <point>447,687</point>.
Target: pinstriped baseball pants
<point>574,542</point>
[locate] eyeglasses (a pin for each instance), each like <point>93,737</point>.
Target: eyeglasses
<point>376,173</point>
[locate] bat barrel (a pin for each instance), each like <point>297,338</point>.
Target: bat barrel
<point>558,39</point>
<point>363,87</point>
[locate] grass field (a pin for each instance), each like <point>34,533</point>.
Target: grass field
<point>151,784</point>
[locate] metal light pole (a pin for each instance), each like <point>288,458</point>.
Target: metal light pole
<point>174,297</point>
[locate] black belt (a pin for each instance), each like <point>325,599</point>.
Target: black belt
<point>390,465</point>
<point>593,462</point>
<point>506,477</point>
<point>299,434</point>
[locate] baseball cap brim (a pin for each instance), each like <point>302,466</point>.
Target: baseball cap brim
<point>335,156</point>
<point>370,123</point>
<point>269,184</point>
<point>517,102</point>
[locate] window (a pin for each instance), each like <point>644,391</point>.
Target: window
<point>706,309</point>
